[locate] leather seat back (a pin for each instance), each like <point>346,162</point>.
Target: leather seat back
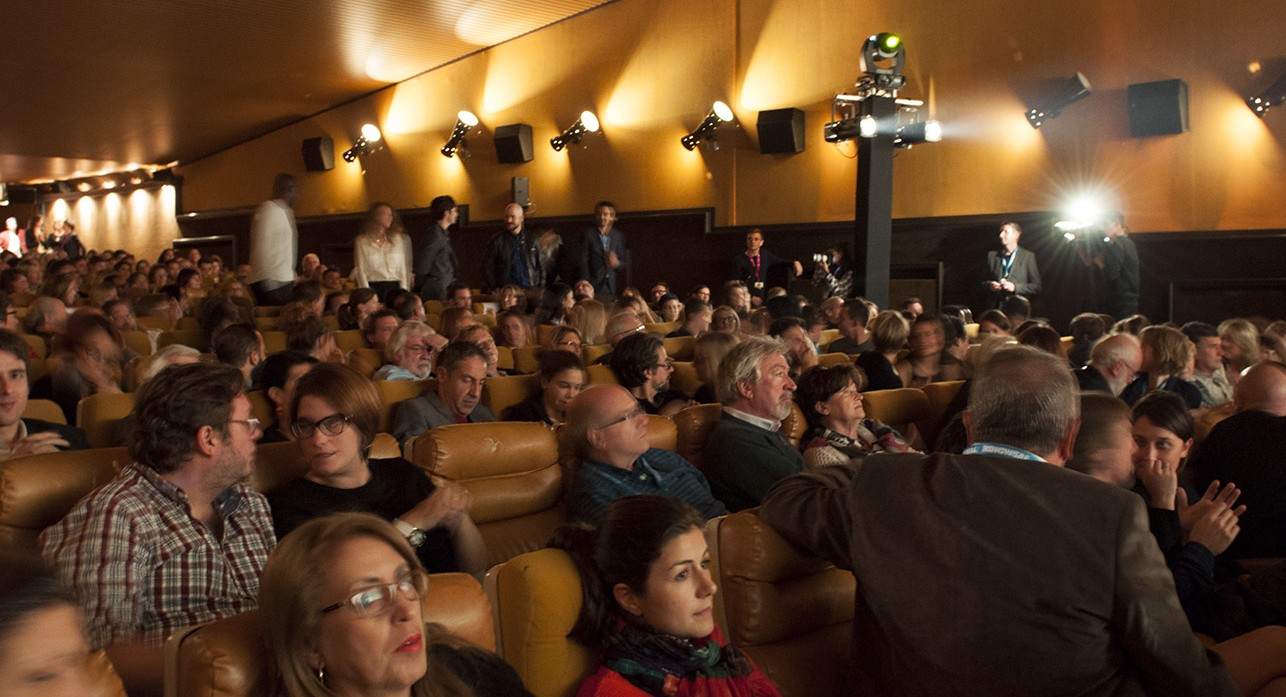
<point>36,491</point>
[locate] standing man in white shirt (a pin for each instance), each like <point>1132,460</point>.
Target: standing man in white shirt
<point>274,244</point>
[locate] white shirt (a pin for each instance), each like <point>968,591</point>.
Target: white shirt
<point>274,242</point>
<point>386,262</point>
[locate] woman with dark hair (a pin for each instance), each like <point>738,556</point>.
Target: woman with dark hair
<point>281,372</point>
<point>90,353</point>
<point>928,361</point>
<point>382,252</point>
<point>334,415</point>
<point>1043,337</point>
<point>555,302</point>
<point>562,377</point>
<point>43,647</point>
<point>361,303</point>
<point>1167,356</point>
<point>994,322</point>
<point>839,430</point>
<point>649,605</point>
<point>340,604</point>
<point>889,331</point>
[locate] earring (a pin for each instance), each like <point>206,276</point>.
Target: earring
<point>321,674</point>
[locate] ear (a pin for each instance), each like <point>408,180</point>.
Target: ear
<point>822,408</point>
<point>207,440</point>
<point>1187,447</point>
<point>628,599</point>
<point>1067,445</point>
<point>746,389</point>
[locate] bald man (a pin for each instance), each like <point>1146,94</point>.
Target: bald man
<point>1114,361</point>
<point>608,428</point>
<point>1249,448</point>
<point>513,257</point>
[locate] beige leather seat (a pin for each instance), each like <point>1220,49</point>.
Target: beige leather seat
<point>99,415</point>
<point>38,490</point>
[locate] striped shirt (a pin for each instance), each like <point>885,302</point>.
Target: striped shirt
<point>657,471</point>
<point>141,566</point>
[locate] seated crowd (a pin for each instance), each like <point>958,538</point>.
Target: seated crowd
<point>988,558</point>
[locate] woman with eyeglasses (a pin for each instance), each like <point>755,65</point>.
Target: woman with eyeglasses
<point>649,605</point>
<point>565,338</point>
<point>341,610</point>
<point>334,414</point>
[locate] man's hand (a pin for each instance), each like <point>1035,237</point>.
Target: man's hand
<point>444,506</point>
<point>613,261</point>
<point>37,443</point>
<point>1216,529</point>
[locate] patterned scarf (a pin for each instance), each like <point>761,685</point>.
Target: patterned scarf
<point>669,666</point>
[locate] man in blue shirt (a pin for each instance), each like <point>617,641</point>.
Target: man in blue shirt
<point>609,431</point>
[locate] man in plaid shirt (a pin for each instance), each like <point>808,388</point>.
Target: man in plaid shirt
<point>177,538</point>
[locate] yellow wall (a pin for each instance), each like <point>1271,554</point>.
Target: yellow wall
<point>651,68</point>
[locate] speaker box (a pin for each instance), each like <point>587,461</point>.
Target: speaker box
<point>1158,108</point>
<point>23,195</point>
<point>319,154</point>
<point>781,131</point>
<point>513,143</point>
<point>521,191</point>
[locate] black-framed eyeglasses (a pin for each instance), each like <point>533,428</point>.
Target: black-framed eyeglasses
<point>378,600</point>
<point>251,423</point>
<point>632,414</point>
<point>332,425</point>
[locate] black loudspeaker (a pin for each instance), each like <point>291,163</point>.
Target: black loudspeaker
<point>781,131</point>
<point>319,154</point>
<point>23,195</point>
<point>521,191</point>
<point>513,143</point>
<point>1158,108</point>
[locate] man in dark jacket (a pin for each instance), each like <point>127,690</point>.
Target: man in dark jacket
<point>20,436</point>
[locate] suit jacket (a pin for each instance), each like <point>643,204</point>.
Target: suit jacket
<point>597,271</point>
<point>1023,272</point>
<point>415,416</point>
<point>435,268</point>
<point>743,461</point>
<point>1247,448</point>
<point>772,272</point>
<point>75,437</point>
<point>983,575</point>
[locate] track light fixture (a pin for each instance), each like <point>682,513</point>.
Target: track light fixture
<point>365,144</point>
<point>1074,88</point>
<point>916,132</point>
<point>587,123</point>
<point>1271,97</point>
<point>464,122</point>
<point>707,131</point>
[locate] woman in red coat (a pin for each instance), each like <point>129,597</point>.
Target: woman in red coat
<point>649,605</point>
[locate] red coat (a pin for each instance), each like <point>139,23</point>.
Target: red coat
<point>608,683</point>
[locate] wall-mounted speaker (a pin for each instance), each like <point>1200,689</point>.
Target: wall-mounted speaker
<point>319,154</point>
<point>781,131</point>
<point>521,191</point>
<point>513,143</point>
<point>1158,108</point>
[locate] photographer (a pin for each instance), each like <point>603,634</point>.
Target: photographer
<point>832,271</point>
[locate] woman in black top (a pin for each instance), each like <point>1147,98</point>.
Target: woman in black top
<point>562,377</point>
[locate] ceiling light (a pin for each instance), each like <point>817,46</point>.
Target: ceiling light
<point>370,136</point>
<point>706,132</point>
<point>587,123</point>
<point>1074,88</point>
<point>1271,97</point>
<point>929,131</point>
<point>464,122</point>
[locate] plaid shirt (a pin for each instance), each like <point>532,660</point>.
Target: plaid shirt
<point>142,567</point>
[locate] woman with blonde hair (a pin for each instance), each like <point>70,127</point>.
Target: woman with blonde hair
<point>707,353</point>
<point>889,331</point>
<point>1167,356</point>
<point>340,600</point>
<point>1239,339</point>
<point>382,252</point>
<point>565,337</point>
<point>590,317</point>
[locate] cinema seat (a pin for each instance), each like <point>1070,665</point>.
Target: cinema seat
<point>36,491</point>
<point>44,410</point>
<point>510,469</point>
<point>791,613</point>
<point>906,409</point>
<point>661,434</point>
<point>99,416</point>
<point>227,658</point>
<point>504,391</point>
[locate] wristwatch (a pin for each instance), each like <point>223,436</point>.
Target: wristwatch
<point>412,534</point>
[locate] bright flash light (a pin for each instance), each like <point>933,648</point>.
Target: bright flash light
<point>867,127</point>
<point>371,133</point>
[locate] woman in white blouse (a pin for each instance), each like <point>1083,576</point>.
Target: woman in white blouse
<point>382,252</point>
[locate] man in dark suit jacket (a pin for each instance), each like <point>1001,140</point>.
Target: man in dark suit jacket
<point>998,572</point>
<point>1012,270</point>
<point>760,269</point>
<point>746,454</point>
<point>603,251</point>
<point>435,267</point>
<point>19,436</point>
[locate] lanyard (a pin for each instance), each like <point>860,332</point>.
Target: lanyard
<point>1001,450</point>
<point>1008,262</point>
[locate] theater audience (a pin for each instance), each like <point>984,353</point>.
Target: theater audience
<point>512,329</point>
<point>46,317</point>
<point>193,447</point>
<point>1166,356</point>
<point>746,454</point>
<point>839,430</point>
<point>26,436</point>
<point>725,320</point>
<point>1114,361</point>
<point>556,303</point>
<point>1208,375</point>
<point>590,318</point>
<point>608,430</point>
<point>174,354</point>
<point>461,372</point>
<point>669,308</point>
<point>35,607</point>
<point>707,353</point>
<point>342,615</point>
<point>889,332</point>
<point>480,336</point>
<point>281,372</point>
<point>696,319</point>
<point>88,356</point>
<point>240,346</point>
<point>928,361</point>
<point>643,367</point>
<point>562,377</point>
<point>455,319</point>
<point>648,605</point>
<point>362,303</point>
<point>1085,329</point>
<point>1239,339</point>
<point>851,319</point>
<point>378,328</point>
<point>409,353</point>
<point>565,338</point>
<point>334,415</point>
<point>801,353</point>
<point>994,322</point>
<point>1043,337</point>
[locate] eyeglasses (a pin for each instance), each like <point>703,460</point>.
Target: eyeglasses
<point>632,414</point>
<point>570,344</point>
<point>251,423</point>
<point>332,425</point>
<point>378,600</point>
<point>418,348</point>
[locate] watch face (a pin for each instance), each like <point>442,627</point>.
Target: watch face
<point>416,538</point>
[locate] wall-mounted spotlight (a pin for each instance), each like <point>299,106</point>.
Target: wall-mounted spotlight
<point>1074,88</point>
<point>706,132</point>
<point>464,122</point>
<point>928,131</point>
<point>365,144</point>
<point>587,123</point>
<point>1271,97</point>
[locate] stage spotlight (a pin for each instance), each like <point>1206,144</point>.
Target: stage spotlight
<point>1271,97</point>
<point>881,48</point>
<point>929,131</point>
<point>587,123</point>
<point>707,131</point>
<point>464,122</point>
<point>1073,89</point>
<point>369,137</point>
